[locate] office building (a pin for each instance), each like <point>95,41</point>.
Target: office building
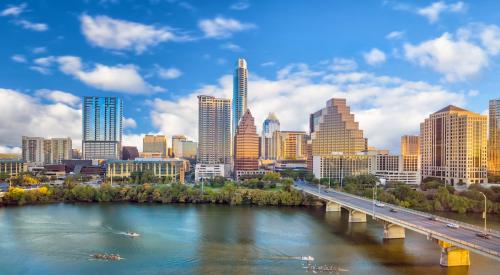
<point>129,152</point>
<point>246,146</point>
<point>240,80</point>
<point>494,138</point>
<point>60,149</point>
<point>102,128</point>
<point>396,168</point>
<point>453,146</point>
<point>176,140</point>
<point>155,144</point>
<point>187,150</point>
<point>270,125</point>
<point>12,167</point>
<point>173,168</point>
<point>410,145</point>
<point>288,145</point>
<point>337,142</point>
<point>33,150</point>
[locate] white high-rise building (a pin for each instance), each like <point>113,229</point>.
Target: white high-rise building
<point>40,151</point>
<point>33,150</point>
<point>270,125</point>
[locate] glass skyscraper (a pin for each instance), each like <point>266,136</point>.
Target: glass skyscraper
<point>239,92</point>
<point>102,127</point>
<point>494,138</point>
<point>270,125</point>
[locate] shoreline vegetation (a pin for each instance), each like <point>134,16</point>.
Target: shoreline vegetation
<point>269,190</point>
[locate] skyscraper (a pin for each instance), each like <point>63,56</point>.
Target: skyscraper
<point>246,146</point>
<point>239,91</point>
<point>33,150</point>
<point>176,140</point>
<point>494,138</point>
<point>288,145</point>
<point>270,125</point>
<point>410,146</point>
<point>60,149</point>
<point>453,146</point>
<point>155,144</point>
<point>214,130</point>
<point>42,151</point>
<point>337,142</point>
<point>102,127</point>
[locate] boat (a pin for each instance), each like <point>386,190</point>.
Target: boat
<point>107,257</point>
<point>132,234</point>
<point>307,258</point>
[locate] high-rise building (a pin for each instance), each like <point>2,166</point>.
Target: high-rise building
<point>176,140</point>
<point>60,149</point>
<point>270,125</point>
<point>494,138</point>
<point>410,145</point>
<point>129,152</point>
<point>453,146</point>
<point>33,150</point>
<point>246,146</point>
<point>187,150</point>
<point>288,145</point>
<point>155,144</point>
<point>337,142</point>
<point>102,127</point>
<point>239,92</point>
<point>214,130</point>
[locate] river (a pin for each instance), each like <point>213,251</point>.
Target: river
<point>210,239</point>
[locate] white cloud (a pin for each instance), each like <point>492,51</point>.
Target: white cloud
<point>59,97</point>
<point>231,46</point>
<point>39,27</point>
<point>486,35</point>
<point>239,6</point>
<point>386,107</point>
<point>473,93</point>
<point>23,114</point>
<point>456,59</point>
<point>114,34</point>
<point>434,10</point>
<point>18,58</point>
<point>10,150</point>
<point>343,64</point>
<point>38,50</point>
<point>42,70</point>
<point>45,61</point>
<point>133,140</point>
<point>395,35</point>
<point>221,27</point>
<point>268,64</point>
<point>374,57</point>
<point>13,10</point>
<point>129,123</point>
<point>170,73</point>
<point>119,78</point>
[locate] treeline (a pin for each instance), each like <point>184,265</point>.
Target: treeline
<point>434,196</point>
<point>148,193</point>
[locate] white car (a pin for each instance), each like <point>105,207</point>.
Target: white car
<point>453,225</point>
<point>379,204</point>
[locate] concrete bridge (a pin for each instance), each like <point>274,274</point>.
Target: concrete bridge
<point>455,243</point>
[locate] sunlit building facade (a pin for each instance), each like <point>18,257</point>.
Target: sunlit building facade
<point>176,140</point>
<point>271,124</point>
<point>246,146</point>
<point>155,144</point>
<point>494,138</point>
<point>396,168</point>
<point>288,145</point>
<point>453,146</point>
<point>40,151</point>
<point>12,167</point>
<point>410,145</point>
<point>173,168</point>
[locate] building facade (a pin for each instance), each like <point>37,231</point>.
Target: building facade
<point>453,146</point>
<point>271,124</point>
<point>60,150</point>
<point>162,168</point>
<point>494,138</point>
<point>338,166</point>
<point>187,150</point>
<point>410,145</point>
<point>40,151</point>
<point>12,167</point>
<point>155,144</point>
<point>246,146</point>
<point>289,145</point>
<point>33,150</point>
<point>396,168</point>
<point>129,153</point>
<point>240,90</point>
<point>102,128</point>
<point>176,148</point>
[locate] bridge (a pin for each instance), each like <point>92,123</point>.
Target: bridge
<point>455,243</point>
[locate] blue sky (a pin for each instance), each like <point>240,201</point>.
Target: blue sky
<point>394,61</point>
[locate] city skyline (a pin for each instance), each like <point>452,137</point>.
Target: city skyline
<point>387,72</point>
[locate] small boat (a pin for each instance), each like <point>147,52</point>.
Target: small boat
<point>107,257</point>
<point>307,258</point>
<point>132,234</point>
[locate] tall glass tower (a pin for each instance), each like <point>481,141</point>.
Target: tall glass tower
<point>102,127</point>
<point>239,92</point>
<point>494,138</point>
<point>270,125</point>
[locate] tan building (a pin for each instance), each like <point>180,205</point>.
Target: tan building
<point>289,145</point>
<point>494,138</point>
<point>453,146</point>
<point>246,145</point>
<point>39,151</point>
<point>337,142</point>
<point>155,144</point>
<point>174,168</point>
<point>410,145</point>
<point>176,146</point>
<point>396,168</point>
<point>12,167</point>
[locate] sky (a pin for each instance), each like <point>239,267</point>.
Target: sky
<point>395,62</point>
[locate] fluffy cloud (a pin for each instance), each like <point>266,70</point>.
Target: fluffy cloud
<point>10,150</point>
<point>343,64</point>
<point>46,120</point>
<point>129,122</point>
<point>386,107</point>
<point>221,27</point>
<point>395,35</point>
<point>13,10</point>
<point>456,59</point>
<point>39,27</point>
<point>103,31</point>
<point>119,78</point>
<point>16,11</point>
<point>59,97</point>
<point>231,46</point>
<point>434,10</point>
<point>18,58</point>
<point>170,73</point>
<point>374,57</point>
<point>239,6</point>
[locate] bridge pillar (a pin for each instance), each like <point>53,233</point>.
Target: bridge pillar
<point>393,231</point>
<point>452,255</point>
<point>332,207</point>
<point>356,216</point>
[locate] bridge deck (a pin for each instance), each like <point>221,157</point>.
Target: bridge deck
<point>464,237</point>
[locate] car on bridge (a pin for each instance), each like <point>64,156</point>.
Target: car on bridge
<point>453,225</point>
<point>379,204</point>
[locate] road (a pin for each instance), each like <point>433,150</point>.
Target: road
<point>464,236</point>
